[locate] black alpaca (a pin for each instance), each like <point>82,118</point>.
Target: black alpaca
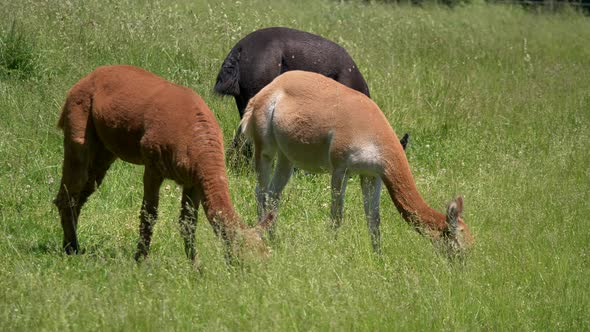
<point>267,53</point>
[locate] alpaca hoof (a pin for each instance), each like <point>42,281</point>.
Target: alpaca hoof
<point>140,256</point>
<point>70,248</point>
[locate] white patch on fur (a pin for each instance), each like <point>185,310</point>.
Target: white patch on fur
<point>366,159</point>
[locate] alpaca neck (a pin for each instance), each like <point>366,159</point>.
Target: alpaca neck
<point>210,175</point>
<point>218,205</point>
<point>402,189</point>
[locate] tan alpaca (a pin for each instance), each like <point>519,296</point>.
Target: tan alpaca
<point>128,113</point>
<point>317,124</point>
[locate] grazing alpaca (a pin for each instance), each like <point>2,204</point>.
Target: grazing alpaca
<point>267,53</point>
<point>128,113</point>
<point>318,124</point>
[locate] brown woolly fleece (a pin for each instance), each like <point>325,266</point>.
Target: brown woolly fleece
<point>317,124</point>
<point>128,113</point>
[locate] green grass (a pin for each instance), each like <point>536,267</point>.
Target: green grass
<point>497,102</point>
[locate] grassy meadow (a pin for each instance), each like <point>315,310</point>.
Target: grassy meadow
<point>496,100</point>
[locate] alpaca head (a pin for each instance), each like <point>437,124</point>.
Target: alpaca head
<point>457,238</point>
<point>249,245</point>
<point>248,242</point>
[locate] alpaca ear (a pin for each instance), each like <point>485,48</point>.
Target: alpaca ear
<point>459,201</point>
<point>454,211</point>
<point>404,141</point>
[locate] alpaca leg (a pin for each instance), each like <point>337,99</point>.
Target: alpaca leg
<point>241,102</point>
<point>240,149</point>
<point>263,165</point>
<point>371,187</point>
<point>73,181</point>
<point>338,185</point>
<point>152,180</point>
<point>99,165</point>
<point>77,183</point>
<point>188,220</point>
<point>282,174</point>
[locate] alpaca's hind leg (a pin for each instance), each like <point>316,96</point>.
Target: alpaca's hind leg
<point>282,174</point>
<point>371,187</point>
<point>152,180</point>
<point>80,142</point>
<point>73,181</point>
<point>188,220</point>
<point>100,162</point>
<point>263,165</point>
<point>339,181</point>
<point>240,150</point>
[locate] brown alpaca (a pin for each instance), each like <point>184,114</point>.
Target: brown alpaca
<point>318,124</point>
<point>128,113</point>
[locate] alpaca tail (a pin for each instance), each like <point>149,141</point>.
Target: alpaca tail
<point>229,74</point>
<point>246,127</point>
<point>263,105</point>
<point>76,113</point>
<point>61,121</point>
